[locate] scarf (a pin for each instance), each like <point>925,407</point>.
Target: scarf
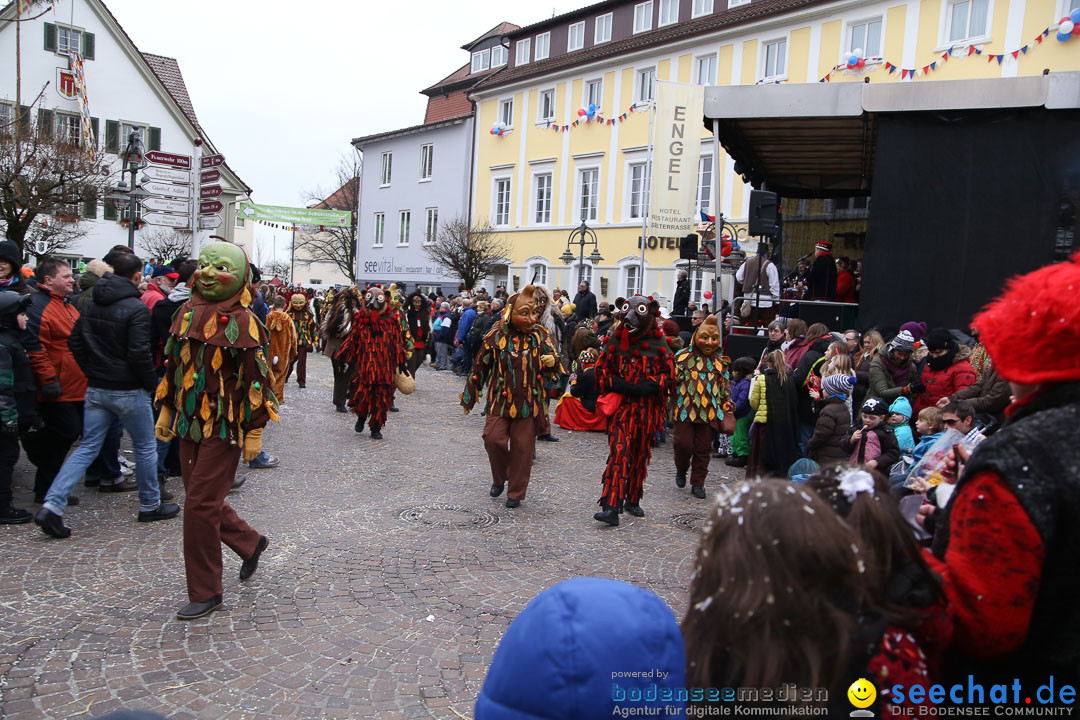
<point>899,373</point>
<point>180,293</point>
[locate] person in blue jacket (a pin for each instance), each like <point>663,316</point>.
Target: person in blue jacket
<point>468,317</point>
<point>584,649</point>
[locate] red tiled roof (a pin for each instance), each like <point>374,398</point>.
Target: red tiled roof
<point>460,79</point>
<point>729,18</point>
<point>342,198</point>
<point>442,107</point>
<point>497,31</point>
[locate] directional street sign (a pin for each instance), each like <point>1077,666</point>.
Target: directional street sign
<point>166,205</point>
<point>170,159</point>
<point>166,174</point>
<point>166,220</point>
<point>167,189</point>
<point>210,176</point>
<point>210,191</point>
<point>209,222</point>
<point>210,161</point>
<point>210,206</point>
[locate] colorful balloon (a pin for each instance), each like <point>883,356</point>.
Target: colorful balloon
<point>1066,27</point>
<point>1075,16</point>
<point>581,112</point>
<point>707,295</point>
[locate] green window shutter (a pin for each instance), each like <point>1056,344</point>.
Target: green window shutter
<point>88,46</point>
<point>112,136</point>
<point>94,130</point>
<point>50,37</point>
<point>89,208</point>
<point>155,139</point>
<point>45,122</point>
<point>108,210</point>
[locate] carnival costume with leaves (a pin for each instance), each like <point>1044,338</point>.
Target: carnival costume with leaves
<point>377,348</point>
<point>282,350</point>
<point>307,331</point>
<point>702,400</point>
<point>637,364</point>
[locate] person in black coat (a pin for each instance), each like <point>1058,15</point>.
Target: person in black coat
<point>584,302</point>
<point>682,295</point>
<point>821,282</point>
<point>161,315</point>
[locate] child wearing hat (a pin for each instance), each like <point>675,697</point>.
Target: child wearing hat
<point>829,443</point>
<point>874,445</point>
<point>899,421</point>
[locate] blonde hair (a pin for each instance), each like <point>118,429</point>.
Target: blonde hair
<point>933,417</point>
<point>878,344</point>
<point>837,365</point>
<point>779,363</point>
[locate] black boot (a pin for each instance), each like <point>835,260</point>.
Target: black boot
<point>11,515</point>
<point>608,515</point>
<point>496,490</point>
<point>375,434</point>
<point>51,523</point>
<point>698,491</point>
<point>736,461</point>
<point>548,438</point>
<point>341,408</point>
<point>359,426</point>
<point>680,479</point>
<point>635,510</point>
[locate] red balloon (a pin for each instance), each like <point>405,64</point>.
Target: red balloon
<point>707,295</point>
<point>861,62</point>
<point>581,112</point>
<point>1076,29</point>
<point>492,131</point>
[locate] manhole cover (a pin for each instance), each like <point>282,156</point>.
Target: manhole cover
<point>688,521</point>
<point>441,515</point>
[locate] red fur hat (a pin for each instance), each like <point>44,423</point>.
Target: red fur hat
<point>1032,330</point>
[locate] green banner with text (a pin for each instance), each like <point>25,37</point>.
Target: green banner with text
<point>294,215</point>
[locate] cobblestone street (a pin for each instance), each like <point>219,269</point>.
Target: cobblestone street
<point>389,579</point>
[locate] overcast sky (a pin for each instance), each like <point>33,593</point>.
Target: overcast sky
<point>282,87</point>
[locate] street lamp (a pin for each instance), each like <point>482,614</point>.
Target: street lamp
<point>135,157</point>
<point>585,236</point>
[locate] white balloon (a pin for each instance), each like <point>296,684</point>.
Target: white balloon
<point>1066,27</point>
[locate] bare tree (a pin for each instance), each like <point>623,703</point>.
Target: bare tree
<point>468,252</point>
<point>279,268</point>
<point>334,244</point>
<point>164,244</point>
<point>45,178</point>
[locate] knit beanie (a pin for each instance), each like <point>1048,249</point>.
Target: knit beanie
<point>938,339</point>
<point>838,384</point>
<point>903,342</point>
<point>901,406</point>
<point>917,329</point>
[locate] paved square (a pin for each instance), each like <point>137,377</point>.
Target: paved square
<point>389,580</point>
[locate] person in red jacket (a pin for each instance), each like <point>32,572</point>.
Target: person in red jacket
<point>947,369</point>
<point>161,284</point>
<point>845,282</point>
<point>1007,544</point>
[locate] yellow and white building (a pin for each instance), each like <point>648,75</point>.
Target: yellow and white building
<point>536,183</point>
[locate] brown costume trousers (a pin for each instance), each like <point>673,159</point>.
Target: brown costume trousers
<point>513,463</point>
<point>693,448</point>
<point>300,363</point>
<point>208,468</point>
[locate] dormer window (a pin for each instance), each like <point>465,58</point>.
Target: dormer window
<point>481,60</point>
<point>498,56</point>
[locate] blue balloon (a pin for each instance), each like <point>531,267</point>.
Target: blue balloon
<point>592,108</point>
<point>1075,16</point>
<point>853,60</point>
<point>1062,37</point>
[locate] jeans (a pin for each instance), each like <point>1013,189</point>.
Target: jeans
<point>441,351</point>
<point>132,408</point>
<point>106,465</point>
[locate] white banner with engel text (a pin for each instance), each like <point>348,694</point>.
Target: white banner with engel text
<point>677,127</point>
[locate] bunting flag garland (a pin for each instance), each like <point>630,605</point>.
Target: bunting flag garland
<point>597,120</point>
<point>953,52</point>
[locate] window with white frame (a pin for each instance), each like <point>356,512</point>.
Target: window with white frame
<point>427,153</point>
<point>538,274</point>
<point>631,280</point>
<point>404,223</point>
<point>645,89</point>
<point>775,59</point>
<point>588,193</point>
<point>67,129</point>
<point>643,17</point>
<point>866,36</point>
<point>575,37</point>
<point>502,201</point>
<point>583,273</point>
<point>546,107</point>
<point>669,13</point>
<point>498,56</point>
<point>594,93</point>
<point>602,31</point>
<point>380,229</point>
<point>481,60</point>
<point>543,46</point>
<point>966,19</point>
<point>639,190</point>
<point>431,226</point>
<point>506,112</point>
<point>542,203</point>
<point>125,133</point>
<point>240,221</point>
<point>68,39</point>
<point>387,168</point>
<point>705,175</point>
<point>706,70</point>
<point>702,7</point>
<point>697,277</point>
<point>522,51</point>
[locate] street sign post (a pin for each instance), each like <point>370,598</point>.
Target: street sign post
<point>169,190</point>
<point>209,222</point>
<point>166,174</point>
<point>210,161</point>
<point>169,159</point>
<point>210,191</point>
<point>210,176</point>
<point>166,220</point>
<point>210,206</point>
<point>166,204</point>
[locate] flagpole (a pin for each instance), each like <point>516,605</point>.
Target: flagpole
<point>647,185</point>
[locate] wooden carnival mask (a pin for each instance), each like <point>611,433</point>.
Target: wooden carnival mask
<point>640,314</point>
<point>523,313</point>
<point>221,271</point>
<point>375,299</point>
<point>707,336</point>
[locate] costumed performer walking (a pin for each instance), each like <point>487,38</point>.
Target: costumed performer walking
<point>336,326</point>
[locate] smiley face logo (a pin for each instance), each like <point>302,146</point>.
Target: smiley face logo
<point>862,693</point>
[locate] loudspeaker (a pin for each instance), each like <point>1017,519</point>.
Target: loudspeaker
<point>688,247</point>
<point>746,345</point>
<point>764,213</point>
<point>831,316</point>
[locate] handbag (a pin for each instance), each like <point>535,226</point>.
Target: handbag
<point>608,403</point>
<point>727,424</point>
<point>405,382</point>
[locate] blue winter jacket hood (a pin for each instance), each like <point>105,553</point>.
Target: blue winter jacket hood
<point>571,653</point>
